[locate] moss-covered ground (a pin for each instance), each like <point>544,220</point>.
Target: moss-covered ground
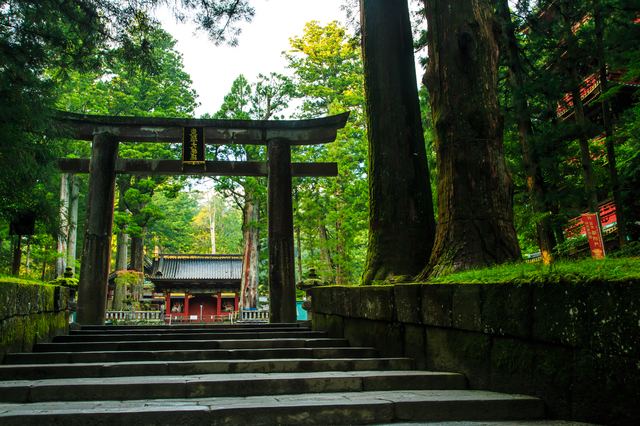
<point>583,270</point>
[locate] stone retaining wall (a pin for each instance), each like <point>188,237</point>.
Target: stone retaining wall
<point>31,313</point>
<point>576,346</point>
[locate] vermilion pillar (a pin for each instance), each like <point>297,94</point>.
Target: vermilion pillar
<point>96,251</point>
<point>186,306</point>
<point>219,305</point>
<point>167,304</point>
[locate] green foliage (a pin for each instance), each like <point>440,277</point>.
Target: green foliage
<point>584,270</point>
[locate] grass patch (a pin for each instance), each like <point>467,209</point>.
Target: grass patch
<point>583,270</point>
<point>16,280</point>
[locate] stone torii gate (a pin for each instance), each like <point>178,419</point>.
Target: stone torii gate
<point>107,132</point>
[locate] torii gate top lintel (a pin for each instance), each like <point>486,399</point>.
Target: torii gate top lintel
<point>216,131</point>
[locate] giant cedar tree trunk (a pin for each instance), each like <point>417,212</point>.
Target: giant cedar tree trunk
<point>73,222</point>
<point>61,260</point>
<point>608,126</point>
<point>533,172</point>
<point>137,264</point>
<point>401,226</point>
<point>119,293</point>
<point>475,189</point>
<point>250,258</point>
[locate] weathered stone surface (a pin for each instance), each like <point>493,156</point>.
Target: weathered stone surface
<point>507,310</point>
<point>615,308</point>
<point>407,303</point>
<point>322,300</point>
<point>359,332</point>
<point>535,369</point>
<point>333,325</point>
<point>415,345</point>
<point>462,352</point>
<point>355,302</point>
<point>27,298</point>
<point>561,314</point>
<point>8,299</point>
<point>12,335</point>
<point>605,389</point>
<point>467,307</point>
<point>377,303</point>
<point>436,304</point>
<point>340,300</point>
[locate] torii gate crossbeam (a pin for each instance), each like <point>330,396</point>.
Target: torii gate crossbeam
<point>107,132</point>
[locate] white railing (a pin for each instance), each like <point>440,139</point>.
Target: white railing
<point>182,318</point>
<point>134,315</point>
<point>254,316</point>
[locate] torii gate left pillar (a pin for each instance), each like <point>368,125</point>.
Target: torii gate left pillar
<point>96,250</point>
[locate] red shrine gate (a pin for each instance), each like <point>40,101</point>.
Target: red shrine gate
<point>107,132</point>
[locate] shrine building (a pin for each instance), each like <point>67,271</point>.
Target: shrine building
<point>198,287</point>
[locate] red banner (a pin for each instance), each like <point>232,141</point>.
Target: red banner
<point>592,227</point>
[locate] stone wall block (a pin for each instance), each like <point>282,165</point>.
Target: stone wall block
<point>61,298</point>
<point>355,310</point>
<point>561,314</point>
<point>507,310</point>
<point>334,326</point>
<point>616,318</point>
<point>321,300</point>
<point>27,296</point>
<point>8,307</point>
<point>436,302</point>
<point>340,301</point>
<point>360,332</point>
<point>466,307</point>
<point>389,340</point>
<point>377,303</point>
<point>605,389</point>
<point>415,345</point>
<point>460,351</point>
<point>47,295</point>
<point>408,304</point>
<point>535,369</point>
<point>11,335</point>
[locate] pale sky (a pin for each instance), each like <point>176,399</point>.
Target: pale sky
<point>213,69</point>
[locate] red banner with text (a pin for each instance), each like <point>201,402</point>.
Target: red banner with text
<point>592,227</point>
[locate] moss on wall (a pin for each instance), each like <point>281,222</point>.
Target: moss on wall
<point>31,313</point>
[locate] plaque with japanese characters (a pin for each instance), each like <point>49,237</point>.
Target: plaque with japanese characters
<point>594,235</point>
<point>193,145</point>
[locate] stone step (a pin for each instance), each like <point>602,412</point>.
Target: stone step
<point>327,409</point>
<point>122,329</point>
<point>187,355</point>
<point>182,368</point>
<point>111,337</point>
<point>495,423</point>
<point>227,385</point>
<point>162,345</point>
<point>192,326</point>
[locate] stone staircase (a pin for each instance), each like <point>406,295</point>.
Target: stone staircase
<point>234,375</point>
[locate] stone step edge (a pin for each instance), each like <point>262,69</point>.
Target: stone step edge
<point>218,385</point>
<point>335,408</point>
<point>112,337</point>
<point>166,368</point>
<point>108,346</point>
<point>36,356</point>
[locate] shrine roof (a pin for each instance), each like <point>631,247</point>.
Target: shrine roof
<point>200,267</point>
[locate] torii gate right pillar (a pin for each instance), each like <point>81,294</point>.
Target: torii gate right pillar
<point>282,291</point>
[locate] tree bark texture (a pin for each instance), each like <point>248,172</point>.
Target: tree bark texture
<point>96,250</point>
<point>608,128</point>
<point>137,264</point>
<point>73,222</point>
<point>119,293</point>
<point>401,225</point>
<point>533,172</point>
<point>250,258</point>
<point>61,260</point>
<point>475,189</point>
<point>282,291</point>
<point>17,256</point>
<point>325,255</point>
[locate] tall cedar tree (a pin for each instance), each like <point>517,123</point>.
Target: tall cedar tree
<point>533,171</point>
<point>475,189</point>
<point>401,226</point>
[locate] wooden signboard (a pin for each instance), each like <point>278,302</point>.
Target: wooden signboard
<point>592,228</point>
